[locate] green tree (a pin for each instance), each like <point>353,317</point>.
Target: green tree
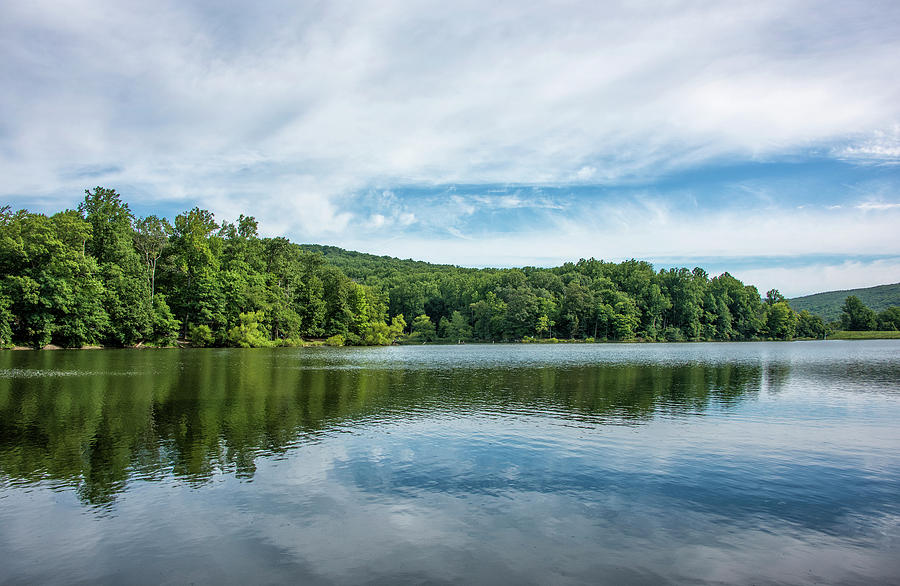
<point>127,288</point>
<point>781,321</point>
<point>685,290</point>
<point>522,311</point>
<point>773,296</point>
<point>856,316</point>
<point>576,309</point>
<point>200,336</point>
<point>164,327</point>
<point>196,293</point>
<point>737,310</point>
<point>543,326</point>
<point>312,306</point>
<point>423,329</point>
<point>248,333</point>
<point>810,326</point>
<point>488,314</point>
<point>111,226</point>
<point>382,334</point>
<point>889,319</point>
<point>49,284</point>
<point>151,236</point>
<point>458,328</point>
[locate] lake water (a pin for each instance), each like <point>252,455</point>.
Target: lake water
<point>749,463</point>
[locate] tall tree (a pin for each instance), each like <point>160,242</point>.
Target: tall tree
<point>197,295</point>
<point>151,236</point>
<point>127,296</point>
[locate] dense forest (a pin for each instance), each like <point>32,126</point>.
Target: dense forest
<point>101,275</point>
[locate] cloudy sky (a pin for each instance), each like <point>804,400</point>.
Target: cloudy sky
<point>757,137</point>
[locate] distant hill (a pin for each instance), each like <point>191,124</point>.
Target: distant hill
<point>360,266</point>
<point>828,304</point>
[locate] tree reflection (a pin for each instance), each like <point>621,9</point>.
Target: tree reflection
<point>97,420</point>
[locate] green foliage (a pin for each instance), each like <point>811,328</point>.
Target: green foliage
<point>248,334</point>
<point>6,319</point>
<point>673,334</point>
<point>111,226</point>
<point>855,316</point>
<point>52,288</point>
<point>151,237</point>
<point>889,319</point>
<point>128,305</point>
<point>200,336</point>
<point>335,340</point>
<point>543,325</point>
<point>781,320</point>
<point>810,326</point>
<point>423,329</point>
<point>164,328</point>
<point>378,334</point>
<point>458,329</point>
<point>774,296</point>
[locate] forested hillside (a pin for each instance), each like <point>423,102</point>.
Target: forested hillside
<point>361,266</point>
<point>101,275</point>
<point>828,305</point>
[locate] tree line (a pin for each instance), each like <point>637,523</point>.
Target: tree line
<point>101,275</point>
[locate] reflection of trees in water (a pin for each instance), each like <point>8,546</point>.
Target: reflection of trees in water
<point>193,414</point>
<point>776,376</point>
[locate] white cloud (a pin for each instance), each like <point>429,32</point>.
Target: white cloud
<point>292,111</point>
<point>586,172</point>
<point>650,228</point>
<point>877,205</point>
<point>508,201</point>
<point>881,147</point>
<point>821,276</point>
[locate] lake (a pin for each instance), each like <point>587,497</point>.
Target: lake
<point>735,463</point>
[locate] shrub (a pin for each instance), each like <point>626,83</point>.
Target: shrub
<point>200,336</point>
<point>247,334</point>
<point>673,334</point>
<point>335,340</point>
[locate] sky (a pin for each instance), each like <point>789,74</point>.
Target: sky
<point>761,138</point>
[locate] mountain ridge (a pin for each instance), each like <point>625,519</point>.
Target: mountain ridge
<point>827,304</point>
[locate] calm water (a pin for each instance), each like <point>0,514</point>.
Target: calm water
<point>683,463</point>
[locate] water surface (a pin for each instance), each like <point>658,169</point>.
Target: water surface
<point>731,463</point>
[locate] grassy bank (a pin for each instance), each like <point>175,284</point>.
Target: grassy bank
<point>845,335</point>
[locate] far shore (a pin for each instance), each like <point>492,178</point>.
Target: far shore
<point>838,335</point>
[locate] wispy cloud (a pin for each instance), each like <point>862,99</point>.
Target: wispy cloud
<point>881,147</point>
<point>877,205</point>
<point>649,227</point>
<point>305,114</point>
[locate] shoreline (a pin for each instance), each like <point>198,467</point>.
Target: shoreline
<point>844,336</point>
